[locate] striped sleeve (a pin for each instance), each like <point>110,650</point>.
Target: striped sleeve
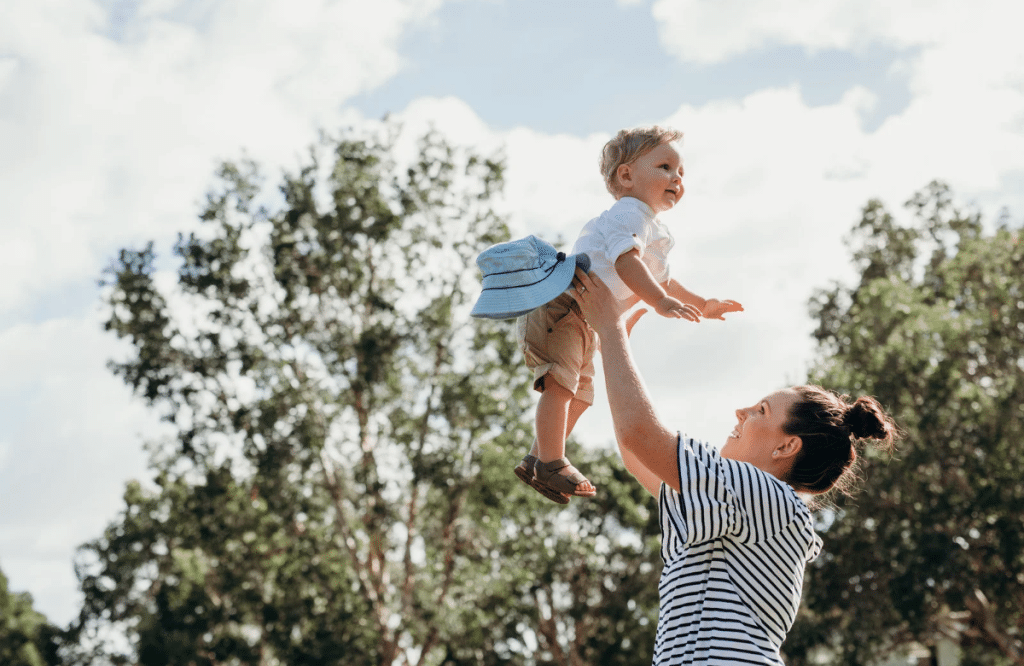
<point>704,508</point>
<point>726,498</point>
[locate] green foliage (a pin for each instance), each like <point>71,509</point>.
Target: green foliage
<point>934,545</point>
<point>26,637</point>
<point>339,490</point>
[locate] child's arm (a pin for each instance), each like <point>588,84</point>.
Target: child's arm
<point>638,278</point>
<point>710,308</point>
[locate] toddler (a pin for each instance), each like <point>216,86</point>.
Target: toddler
<point>627,246</point>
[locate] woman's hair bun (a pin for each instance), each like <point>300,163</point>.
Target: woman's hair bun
<point>831,430</point>
<point>866,420</point>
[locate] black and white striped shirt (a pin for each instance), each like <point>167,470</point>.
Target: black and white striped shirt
<point>735,542</point>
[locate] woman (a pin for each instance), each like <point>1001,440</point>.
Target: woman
<point>736,535</point>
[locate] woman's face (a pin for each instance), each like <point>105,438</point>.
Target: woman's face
<point>758,432</point>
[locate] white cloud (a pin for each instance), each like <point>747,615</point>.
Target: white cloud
<point>552,185</point>
<point>8,65</point>
<point>708,32</point>
<point>72,438</point>
<point>963,66</point>
<point>452,118</point>
<point>965,121</point>
<point>106,142</point>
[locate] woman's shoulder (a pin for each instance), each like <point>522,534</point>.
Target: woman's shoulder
<point>697,446</point>
<point>744,480</point>
<point>775,504</point>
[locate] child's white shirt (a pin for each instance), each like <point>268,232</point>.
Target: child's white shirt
<point>628,224</point>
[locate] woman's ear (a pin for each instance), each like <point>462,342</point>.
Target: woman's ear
<point>789,447</point>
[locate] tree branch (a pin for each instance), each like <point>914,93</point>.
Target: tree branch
<point>547,627</point>
<point>348,539</point>
<point>985,620</point>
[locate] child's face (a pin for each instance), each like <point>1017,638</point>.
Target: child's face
<point>656,177</point>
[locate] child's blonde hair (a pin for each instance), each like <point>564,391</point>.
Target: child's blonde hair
<point>628,145</point>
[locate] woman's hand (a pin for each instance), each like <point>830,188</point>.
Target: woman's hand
<point>599,307</point>
<point>633,319</point>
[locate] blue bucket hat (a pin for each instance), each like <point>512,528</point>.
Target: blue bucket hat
<point>522,275</point>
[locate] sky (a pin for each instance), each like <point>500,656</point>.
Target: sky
<point>115,113</point>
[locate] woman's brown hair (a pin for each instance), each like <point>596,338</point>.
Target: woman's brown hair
<point>831,429</point>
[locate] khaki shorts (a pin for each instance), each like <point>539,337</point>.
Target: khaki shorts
<point>557,342</point>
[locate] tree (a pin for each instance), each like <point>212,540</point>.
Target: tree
<point>934,545</point>
<point>339,489</point>
<point>26,636</point>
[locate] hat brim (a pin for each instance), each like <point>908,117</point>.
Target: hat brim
<point>513,302</point>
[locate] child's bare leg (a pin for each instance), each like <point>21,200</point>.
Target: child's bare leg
<point>576,409</point>
<point>557,413</point>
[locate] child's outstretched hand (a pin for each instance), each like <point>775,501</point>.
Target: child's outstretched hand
<point>714,308</point>
<point>676,309</point>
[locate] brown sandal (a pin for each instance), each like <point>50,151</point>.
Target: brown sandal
<point>546,475</point>
<point>524,470</point>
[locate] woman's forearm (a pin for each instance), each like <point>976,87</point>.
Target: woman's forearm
<point>638,430</point>
<point>632,413</point>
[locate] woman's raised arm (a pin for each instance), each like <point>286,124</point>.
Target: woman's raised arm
<point>638,430</point>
